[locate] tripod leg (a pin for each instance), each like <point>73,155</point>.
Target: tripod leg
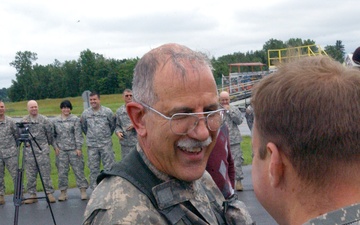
<point>41,178</point>
<point>18,185</point>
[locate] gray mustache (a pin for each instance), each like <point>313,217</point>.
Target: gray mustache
<point>191,143</point>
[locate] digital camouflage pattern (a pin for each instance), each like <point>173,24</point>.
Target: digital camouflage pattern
<point>68,138</point>
<point>42,130</point>
<point>98,126</point>
<point>8,150</point>
<point>67,133</point>
<point>233,120</point>
<point>129,140</point>
<point>95,155</point>
<point>117,201</point>
<point>249,115</point>
<point>349,215</point>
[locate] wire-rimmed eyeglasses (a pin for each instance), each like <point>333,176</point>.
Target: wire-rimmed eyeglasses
<point>183,123</point>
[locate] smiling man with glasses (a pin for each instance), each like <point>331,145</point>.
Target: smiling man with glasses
<point>176,114</point>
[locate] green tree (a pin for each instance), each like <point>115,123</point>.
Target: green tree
<point>87,62</point>
<point>336,51</point>
<point>71,79</point>
<point>126,70</point>
<point>3,95</point>
<point>22,87</point>
<point>273,44</point>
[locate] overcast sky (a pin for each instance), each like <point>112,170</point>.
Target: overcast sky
<point>129,28</point>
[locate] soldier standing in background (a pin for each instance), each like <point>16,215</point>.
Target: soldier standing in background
<point>233,119</point>
<point>249,115</point>
<point>8,150</point>
<point>68,148</point>
<point>124,128</point>
<point>98,124</point>
<point>41,130</point>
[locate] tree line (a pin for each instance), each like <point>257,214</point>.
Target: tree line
<point>92,71</point>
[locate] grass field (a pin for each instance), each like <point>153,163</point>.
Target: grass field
<point>50,107</point>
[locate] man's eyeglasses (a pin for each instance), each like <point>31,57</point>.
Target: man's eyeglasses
<point>183,123</point>
<point>128,95</point>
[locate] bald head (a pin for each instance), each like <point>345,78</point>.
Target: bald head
<point>178,59</point>
<point>224,99</point>
<point>32,108</point>
<point>224,94</point>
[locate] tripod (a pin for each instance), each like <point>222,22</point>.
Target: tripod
<point>18,195</point>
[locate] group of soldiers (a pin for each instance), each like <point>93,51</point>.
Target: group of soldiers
<point>35,133</point>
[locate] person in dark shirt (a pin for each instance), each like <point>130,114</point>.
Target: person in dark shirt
<point>221,164</point>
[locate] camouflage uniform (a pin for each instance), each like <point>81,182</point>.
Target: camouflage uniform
<point>98,126</point>
<point>250,117</point>
<point>129,140</point>
<point>233,119</point>
<point>68,138</point>
<point>117,201</point>
<point>349,215</point>
<point>8,150</point>
<point>42,131</point>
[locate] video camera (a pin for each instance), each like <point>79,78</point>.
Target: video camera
<point>24,129</point>
<point>24,124</point>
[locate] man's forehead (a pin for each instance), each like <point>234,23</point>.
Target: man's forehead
<point>32,104</point>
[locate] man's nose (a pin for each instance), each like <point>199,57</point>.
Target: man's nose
<point>201,131</point>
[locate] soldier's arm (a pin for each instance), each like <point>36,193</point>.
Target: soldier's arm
<point>49,132</point>
<point>235,115</point>
<point>118,123</point>
<point>83,123</point>
<point>111,119</point>
<point>79,138</point>
<point>55,144</point>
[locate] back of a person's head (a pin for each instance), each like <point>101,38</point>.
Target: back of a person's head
<point>310,108</point>
<point>356,56</point>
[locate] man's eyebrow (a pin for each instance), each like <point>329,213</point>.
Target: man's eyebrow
<point>181,109</point>
<point>185,109</point>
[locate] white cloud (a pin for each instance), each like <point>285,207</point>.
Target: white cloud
<point>62,29</point>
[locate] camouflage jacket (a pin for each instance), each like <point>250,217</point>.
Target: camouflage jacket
<point>67,133</point>
<point>8,136</point>
<point>117,201</point>
<point>42,130</point>
<point>250,116</point>
<point>122,122</point>
<point>349,215</point>
<point>233,120</point>
<point>98,126</point>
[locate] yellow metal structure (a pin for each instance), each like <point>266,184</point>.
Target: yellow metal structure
<point>276,56</point>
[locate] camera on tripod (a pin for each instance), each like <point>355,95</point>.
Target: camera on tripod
<point>24,130</point>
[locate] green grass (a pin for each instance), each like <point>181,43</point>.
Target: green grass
<point>50,107</point>
<point>246,148</point>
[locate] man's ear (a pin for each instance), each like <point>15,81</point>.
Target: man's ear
<point>136,113</point>
<point>276,165</point>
